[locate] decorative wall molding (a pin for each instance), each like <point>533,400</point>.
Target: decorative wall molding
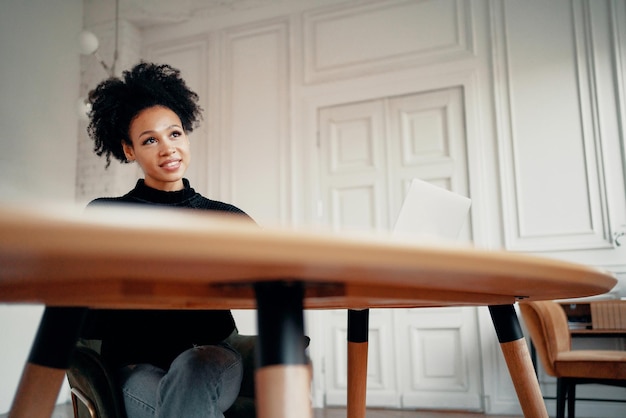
<point>255,85</point>
<point>345,41</point>
<point>530,220</point>
<point>443,344</point>
<point>618,25</point>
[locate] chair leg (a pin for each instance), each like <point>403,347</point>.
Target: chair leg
<point>561,388</point>
<point>571,400</point>
<point>77,396</point>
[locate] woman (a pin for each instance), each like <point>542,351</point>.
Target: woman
<point>172,363</point>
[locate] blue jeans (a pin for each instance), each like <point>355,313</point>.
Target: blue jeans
<point>202,382</point>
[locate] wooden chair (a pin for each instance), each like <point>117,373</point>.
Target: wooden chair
<point>546,322</point>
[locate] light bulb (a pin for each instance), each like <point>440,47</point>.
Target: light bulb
<point>88,42</point>
<point>83,107</point>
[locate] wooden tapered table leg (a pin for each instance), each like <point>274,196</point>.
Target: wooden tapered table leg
<point>283,377</point>
<point>50,356</point>
<point>518,361</point>
<point>358,330</point>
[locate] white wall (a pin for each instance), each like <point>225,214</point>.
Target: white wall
<point>536,76</point>
<point>39,85</point>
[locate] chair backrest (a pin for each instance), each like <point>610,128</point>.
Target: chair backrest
<point>92,377</point>
<point>546,322</point>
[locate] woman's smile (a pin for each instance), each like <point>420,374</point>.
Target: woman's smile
<point>172,165</point>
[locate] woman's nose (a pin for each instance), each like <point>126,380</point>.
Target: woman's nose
<point>168,149</point>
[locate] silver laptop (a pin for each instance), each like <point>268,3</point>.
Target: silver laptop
<point>430,211</point>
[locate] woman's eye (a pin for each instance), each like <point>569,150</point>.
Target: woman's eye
<point>176,134</point>
<point>150,140</point>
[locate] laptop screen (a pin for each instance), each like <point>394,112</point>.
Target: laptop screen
<point>431,211</point>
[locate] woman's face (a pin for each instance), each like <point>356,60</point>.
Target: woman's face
<point>160,146</point>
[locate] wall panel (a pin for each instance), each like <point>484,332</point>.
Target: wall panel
<point>547,117</point>
<point>255,101</point>
<point>347,41</point>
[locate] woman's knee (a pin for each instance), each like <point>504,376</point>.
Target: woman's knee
<point>214,370</point>
<point>211,363</point>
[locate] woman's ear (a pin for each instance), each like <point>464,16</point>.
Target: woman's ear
<point>129,152</point>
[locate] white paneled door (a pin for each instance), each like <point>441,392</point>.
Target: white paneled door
<point>368,153</point>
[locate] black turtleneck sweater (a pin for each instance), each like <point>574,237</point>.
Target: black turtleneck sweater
<point>185,198</point>
<point>158,336</point>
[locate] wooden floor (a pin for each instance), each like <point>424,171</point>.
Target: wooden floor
<point>65,411</point>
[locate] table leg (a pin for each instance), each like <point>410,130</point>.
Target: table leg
<point>515,350</point>
<point>49,358</point>
<point>283,376</point>
<point>358,330</point>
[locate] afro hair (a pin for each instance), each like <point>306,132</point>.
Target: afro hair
<point>115,102</point>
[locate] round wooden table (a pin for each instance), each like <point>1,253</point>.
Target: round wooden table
<point>129,257</point>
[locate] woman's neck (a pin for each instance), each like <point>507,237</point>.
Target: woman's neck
<point>165,186</point>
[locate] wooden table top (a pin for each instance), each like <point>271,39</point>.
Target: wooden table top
<point>115,257</point>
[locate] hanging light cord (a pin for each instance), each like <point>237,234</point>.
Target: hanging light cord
<point>111,70</point>
<point>117,19</point>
